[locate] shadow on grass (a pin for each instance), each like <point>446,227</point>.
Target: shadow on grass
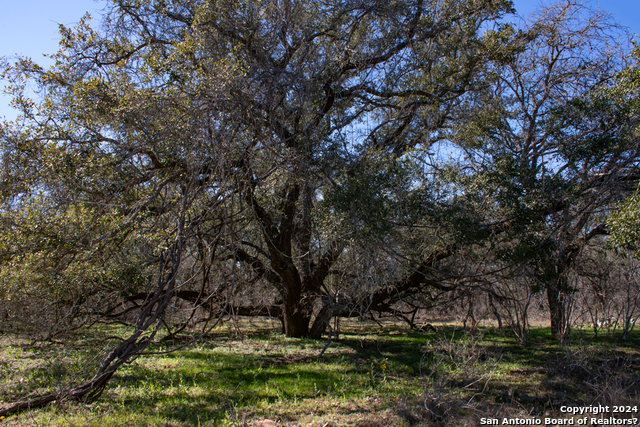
<point>224,379</point>
<point>211,386</point>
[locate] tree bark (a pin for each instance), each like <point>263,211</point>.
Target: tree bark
<point>555,299</point>
<point>296,316</point>
<point>320,323</point>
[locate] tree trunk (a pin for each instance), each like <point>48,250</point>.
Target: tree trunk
<point>295,311</point>
<point>320,323</point>
<point>558,286</point>
<point>296,319</point>
<point>557,289</point>
<point>556,310</point>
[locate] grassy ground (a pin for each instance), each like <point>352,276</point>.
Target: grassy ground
<point>372,376</point>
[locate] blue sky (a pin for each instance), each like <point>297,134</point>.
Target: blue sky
<point>30,27</point>
<point>625,12</point>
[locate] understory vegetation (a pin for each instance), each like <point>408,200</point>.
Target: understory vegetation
<point>248,374</point>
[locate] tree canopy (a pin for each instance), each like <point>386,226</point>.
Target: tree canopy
<point>307,160</point>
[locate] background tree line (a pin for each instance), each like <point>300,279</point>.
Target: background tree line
<point>188,160</point>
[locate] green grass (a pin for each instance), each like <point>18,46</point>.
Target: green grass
<point>371,376</point>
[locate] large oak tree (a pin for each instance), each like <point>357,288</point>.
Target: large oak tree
<point>186,147</point>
